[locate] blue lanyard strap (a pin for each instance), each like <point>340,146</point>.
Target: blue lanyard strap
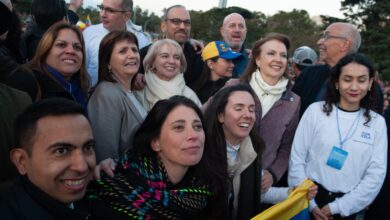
<point>349,134</point>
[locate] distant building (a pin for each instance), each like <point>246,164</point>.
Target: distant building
<point>222,3</point>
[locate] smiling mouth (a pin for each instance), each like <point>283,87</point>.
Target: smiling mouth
<point>75,184</point>
<point>69,61</point>
<point>244,125</point>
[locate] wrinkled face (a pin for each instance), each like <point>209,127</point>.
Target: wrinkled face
<point>181,140</point>
<point>221,68</point>
<point>66,54</point>
<point>113,16</point>
<point>63,158</point>
<point>167,62</point>
<point>331,43</point>
<point>272,60</point>
<point>239,116</point>
<point>177,26</point>
<point>353,85</point>
<point>125,59</point>
<point>234,31</point>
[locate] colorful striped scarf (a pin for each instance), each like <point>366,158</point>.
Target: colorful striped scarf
<point>140,189</point>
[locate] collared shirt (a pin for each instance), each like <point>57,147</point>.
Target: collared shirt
<point>93,35</point>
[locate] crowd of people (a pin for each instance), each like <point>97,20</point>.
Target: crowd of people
<point>104,124</point>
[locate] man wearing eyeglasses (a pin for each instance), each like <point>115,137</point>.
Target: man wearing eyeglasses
<point>113,15</point>
<point>176,25</point>
<point>338,40</point>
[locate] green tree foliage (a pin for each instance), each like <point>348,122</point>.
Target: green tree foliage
<point>297,24</point>
<point>373,19</point>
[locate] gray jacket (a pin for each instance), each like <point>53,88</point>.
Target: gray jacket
<point>114,119</point>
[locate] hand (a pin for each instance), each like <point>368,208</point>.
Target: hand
<point>318,215</point>
<point>266,181</point>
<point>326,211</point>
<point>312,192</point>
<point>140,82</point>
<point>107,165</point>
<point>198,45</point>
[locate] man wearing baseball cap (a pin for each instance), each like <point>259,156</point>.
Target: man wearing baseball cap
<point>217,69</point>
<point>303,57</point>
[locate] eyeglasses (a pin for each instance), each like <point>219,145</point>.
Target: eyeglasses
<point>109,10</point>
<point>178,21</point>
<point>326,36</point>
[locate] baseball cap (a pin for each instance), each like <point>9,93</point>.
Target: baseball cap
<point>5,14</point>
<point>218,49</point>
<point>305,56</point>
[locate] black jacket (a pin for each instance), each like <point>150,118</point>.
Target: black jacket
<point>26,201</point>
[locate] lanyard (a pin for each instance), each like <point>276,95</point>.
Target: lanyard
<point>349,134</point>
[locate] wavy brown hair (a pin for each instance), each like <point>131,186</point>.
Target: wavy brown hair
<point>256,52</point>
<point>38,62</point>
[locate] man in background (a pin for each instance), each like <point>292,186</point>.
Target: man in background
<point>233,32</point>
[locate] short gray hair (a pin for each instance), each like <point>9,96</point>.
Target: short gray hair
<point>353,34</point>
<point>156,47</point>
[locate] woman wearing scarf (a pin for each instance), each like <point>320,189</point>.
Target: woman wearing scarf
<point>58,67</point>
<point>164,66</point>
<point>113,109</point>
<point>169,174</point>
<point>230,122</point>
<point>267,75</point>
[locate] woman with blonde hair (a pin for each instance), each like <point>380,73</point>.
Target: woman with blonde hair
<point>164,66</point>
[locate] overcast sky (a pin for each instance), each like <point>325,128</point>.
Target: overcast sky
<point>269,7</point>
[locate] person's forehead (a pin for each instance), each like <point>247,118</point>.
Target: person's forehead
<point>71,129</point>
<point>178,12</point>
<point>334,28</point>
<point>112,3</point>
<point>235,19</point>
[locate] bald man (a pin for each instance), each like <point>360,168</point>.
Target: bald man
<point>338,40</point>
<point>233,32</point>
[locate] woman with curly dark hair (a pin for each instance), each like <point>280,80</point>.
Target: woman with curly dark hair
<point>341,143</point>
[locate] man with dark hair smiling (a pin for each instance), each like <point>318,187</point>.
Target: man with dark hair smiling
<point>55,159</point>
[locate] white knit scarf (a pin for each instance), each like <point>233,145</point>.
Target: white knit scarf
<point>267,94</point>
<point>157,89</point>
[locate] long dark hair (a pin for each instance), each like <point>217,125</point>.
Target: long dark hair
<point>150,129</point>
<point>205,76</point>
<point>332,95</point>
<point>256,52</point>
<point>215,135</point>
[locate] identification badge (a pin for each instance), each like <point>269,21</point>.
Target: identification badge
<point>337,158</point>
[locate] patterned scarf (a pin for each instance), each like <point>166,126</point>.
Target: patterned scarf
<point>141,189</point>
